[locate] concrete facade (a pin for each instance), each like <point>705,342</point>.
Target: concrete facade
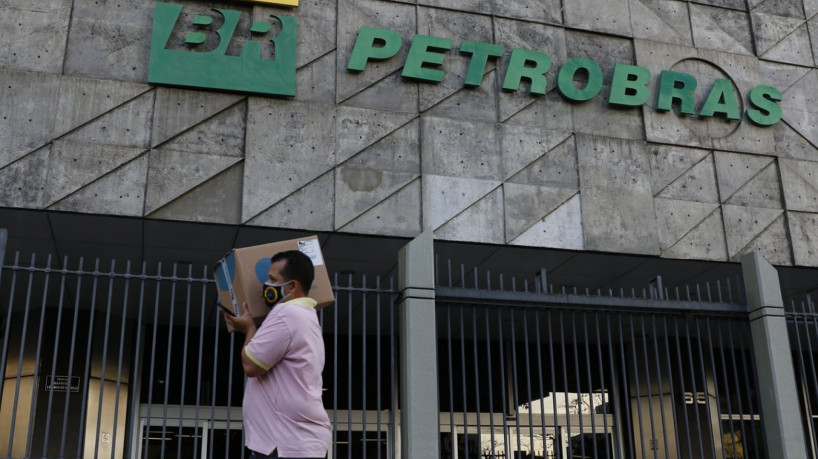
<point>375,153</point>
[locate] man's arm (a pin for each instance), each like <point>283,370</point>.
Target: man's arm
<point>244,323</point>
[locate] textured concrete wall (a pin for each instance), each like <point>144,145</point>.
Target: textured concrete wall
<point>374,153</point>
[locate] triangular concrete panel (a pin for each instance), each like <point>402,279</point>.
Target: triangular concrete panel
<point>704,242</point>
<point>73,165</point>
<point>391,93</point>
<point>26,125</point>
<point>83,99</point>
<point>794,48</point>
<point>122,192</point>
<point>399,215</point>
<point>781,76</point>
<point>23,183</point>
<point>798,107</point>
<point>676,218</point>
<point>789,8</point>
<point>480,222</point>
<point>358,128</point>
<point>790,144</point>
<point>523,146</point>
<point>800,180</point>
<point>310,208</point>
<point>547,112</point>
<point>773,244</point>
<point>445,197</point>
<point>223,134</point>
<point>697,184</point>
<point>743,224</point>
<point>720,29</point>
<point>479,104</point>
<point>217,200</point>
<point>173,173</point>
<point>663,21</point>
<point>668,163</point>
<point>177,110</point>
<point>359,189</point>
<point>763,190</point>
<point>560,229</point>
<point>527,204</point>
<point>135,115</point>
<point>804,233</point>
<point>313,43</point>
<point>734,170</point>
<point>770,29</point>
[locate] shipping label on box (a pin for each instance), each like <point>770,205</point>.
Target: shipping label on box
<point>241,274</point>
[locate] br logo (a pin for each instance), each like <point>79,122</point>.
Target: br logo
<point>223,49</point>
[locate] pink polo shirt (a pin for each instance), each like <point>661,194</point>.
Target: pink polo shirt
<point>282,408</point>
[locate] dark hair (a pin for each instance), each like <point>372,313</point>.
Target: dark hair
<point>297,266</point>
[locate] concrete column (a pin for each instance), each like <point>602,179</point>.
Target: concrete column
<point>781,413</point>
<point>419,411</point>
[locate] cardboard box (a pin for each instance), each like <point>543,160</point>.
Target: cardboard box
<point>241,273</point>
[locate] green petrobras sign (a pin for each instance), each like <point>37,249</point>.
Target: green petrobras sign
<point>629,85</point>
<point>210,51</point>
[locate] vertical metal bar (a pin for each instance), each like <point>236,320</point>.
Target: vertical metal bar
<point>747,376</point>
<point>168,360</point>
<point>378,358</point>
<point>104,354</point>
<point>590,381</point>
<point>682,381</point>
<point>626,421</point>
<point>715,384</point>
<point>514,378</point>
<point>450,364</point>
<point>363,363</point>
<point>695,391</point>
<point>4,355</point>
<point>335,372</point>
<point>726,380</point>
<point>579,382</point>
<point>653,446</point>
<point>349,367</point>
<point>739,393</point>
<point>707,395</point>
<point>153,355</point>
<point>39,350</point>
<point>491,384</point>
<point>121,352</point>
<point>565,385</point>
<point>811,361</point>
<point>503,390</point>
<point>135,388</point>
<point>604,387</point>
<point>199,359</point>
<point>670,378</point>
<point>70,363</point>
<point>659,378</point>
<point>464,388</point>
<point>393,368</point>
<point>230,374</point>
<point>87,371</point>
<point>636,382</point>
<point>20,356</point>
<point>553,379</point>
<point>530,398</point>
<point>476,371</point>
<point>539,377</point>
<point>182,402</point>
<point>214,384</point>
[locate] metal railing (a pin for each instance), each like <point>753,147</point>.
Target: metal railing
<point>802,318</point>
<point>529,371</point>
<point>114,361</point>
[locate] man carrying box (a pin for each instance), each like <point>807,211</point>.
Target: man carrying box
<point>283,413</point>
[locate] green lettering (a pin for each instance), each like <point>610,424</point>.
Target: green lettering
<point>676,86</point>
<point>766,111</point>
<point>518,69</point>
<point>480,53</point>
<point>629,86</point>
<point>419,55</point>
<point>365,48</point>
<point>565,80</point>
<point>721,99</point>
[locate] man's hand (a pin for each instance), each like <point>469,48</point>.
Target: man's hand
<point>243,323</point>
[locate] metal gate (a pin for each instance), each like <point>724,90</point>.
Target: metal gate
<point>107,359</point>
<point>802,319</point>
<point>530,372</point>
